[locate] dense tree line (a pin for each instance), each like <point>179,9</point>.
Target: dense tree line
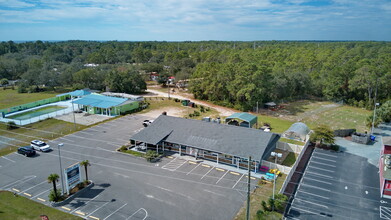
<point>235,74</point>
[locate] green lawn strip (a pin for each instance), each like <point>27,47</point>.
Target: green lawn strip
<point>290,159</point>
<point>21,208</point>
<point>263,192</point>
<point>9,97</point>
<point>290,141</point>
<point>54,129</point>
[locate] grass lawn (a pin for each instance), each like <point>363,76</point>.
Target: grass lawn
<point>9,97</point>
<point>48,129</point>
<point>21,208</point>
<point>340,118</point>
<point>278,125</point>
<point>262,193</point>
<point>290,159</point>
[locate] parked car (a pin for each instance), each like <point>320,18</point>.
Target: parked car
<point>28,151</point>
<point>146,123</point>
<point>40,146</point>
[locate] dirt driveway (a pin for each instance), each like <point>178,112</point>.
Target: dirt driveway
<point>222,110</point>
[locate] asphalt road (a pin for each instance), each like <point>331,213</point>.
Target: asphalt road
<point>339,186</point>
<point>127,187</point>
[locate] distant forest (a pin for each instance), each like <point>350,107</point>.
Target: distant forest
<point>234,74</point>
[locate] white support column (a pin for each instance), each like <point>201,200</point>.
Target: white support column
<point>255,167</point>
<point>163,146</point>
<point>157,148</point>
<point>217,158</point>
<point>180,146</point>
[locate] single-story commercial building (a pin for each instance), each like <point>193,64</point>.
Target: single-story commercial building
<point>105,105</point>
<point>242,119</point>
<point>221,143</point>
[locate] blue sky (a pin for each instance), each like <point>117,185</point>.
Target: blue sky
<point>179,20</point>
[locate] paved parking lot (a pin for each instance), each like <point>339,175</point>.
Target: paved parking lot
<point>127,187</point>
<point>339,186</point>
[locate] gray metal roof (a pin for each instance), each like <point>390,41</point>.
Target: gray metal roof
<point>228,139</point>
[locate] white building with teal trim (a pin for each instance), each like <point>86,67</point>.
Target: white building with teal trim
<point>105,105</point>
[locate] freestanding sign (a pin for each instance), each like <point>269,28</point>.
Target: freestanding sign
<point>72,176</point>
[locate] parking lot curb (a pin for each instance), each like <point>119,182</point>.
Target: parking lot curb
<point>56,204</point>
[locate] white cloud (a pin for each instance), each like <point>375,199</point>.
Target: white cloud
<point>15,4</point>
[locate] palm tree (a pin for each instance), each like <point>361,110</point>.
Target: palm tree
<point>85,164</point>
<point>53,178</point>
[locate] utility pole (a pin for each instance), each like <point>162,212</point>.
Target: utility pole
<point>248,188</point>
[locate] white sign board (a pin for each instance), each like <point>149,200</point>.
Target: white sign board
<point>72,176</point>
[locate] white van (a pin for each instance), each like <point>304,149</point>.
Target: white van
<point>40,146</point>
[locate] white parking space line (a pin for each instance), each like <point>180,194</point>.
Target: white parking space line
<point>222,177</point>
<point>193,169</point>
<point>98,208</point>
<point>25,179</point>
<point>321,181</point>
<point>85,204</point>
<point>317,168</point>
<point>314,194</point>
<point>84,132</point>
<point>238,181</point>
<point>321,175</point>
<point>316,187</point>
<point>207,173</point>
<point>58,185</point>
<point>313,203</point>
<point>146,213</point>
<point>8,159</point>
<point>35,186</point>
<point>321,158</point>
<point>303,210</point>
<point>317,152</point>
<point>324,164</point>
<point>115,211</point>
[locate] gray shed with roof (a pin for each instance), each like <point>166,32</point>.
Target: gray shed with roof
<point>224,139</point>
<point>297,131</point>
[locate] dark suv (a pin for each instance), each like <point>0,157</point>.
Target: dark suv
<point>28,151</point>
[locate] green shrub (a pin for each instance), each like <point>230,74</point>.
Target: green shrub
<point>151,155</point>
<point>196,113</point>
<point>280,202</point>
<point>11,125</point>
<point>123,148</point>
<point>264,206</point>
<point>334,147</point>
<point>202,109</point>
<point>53,197</point>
